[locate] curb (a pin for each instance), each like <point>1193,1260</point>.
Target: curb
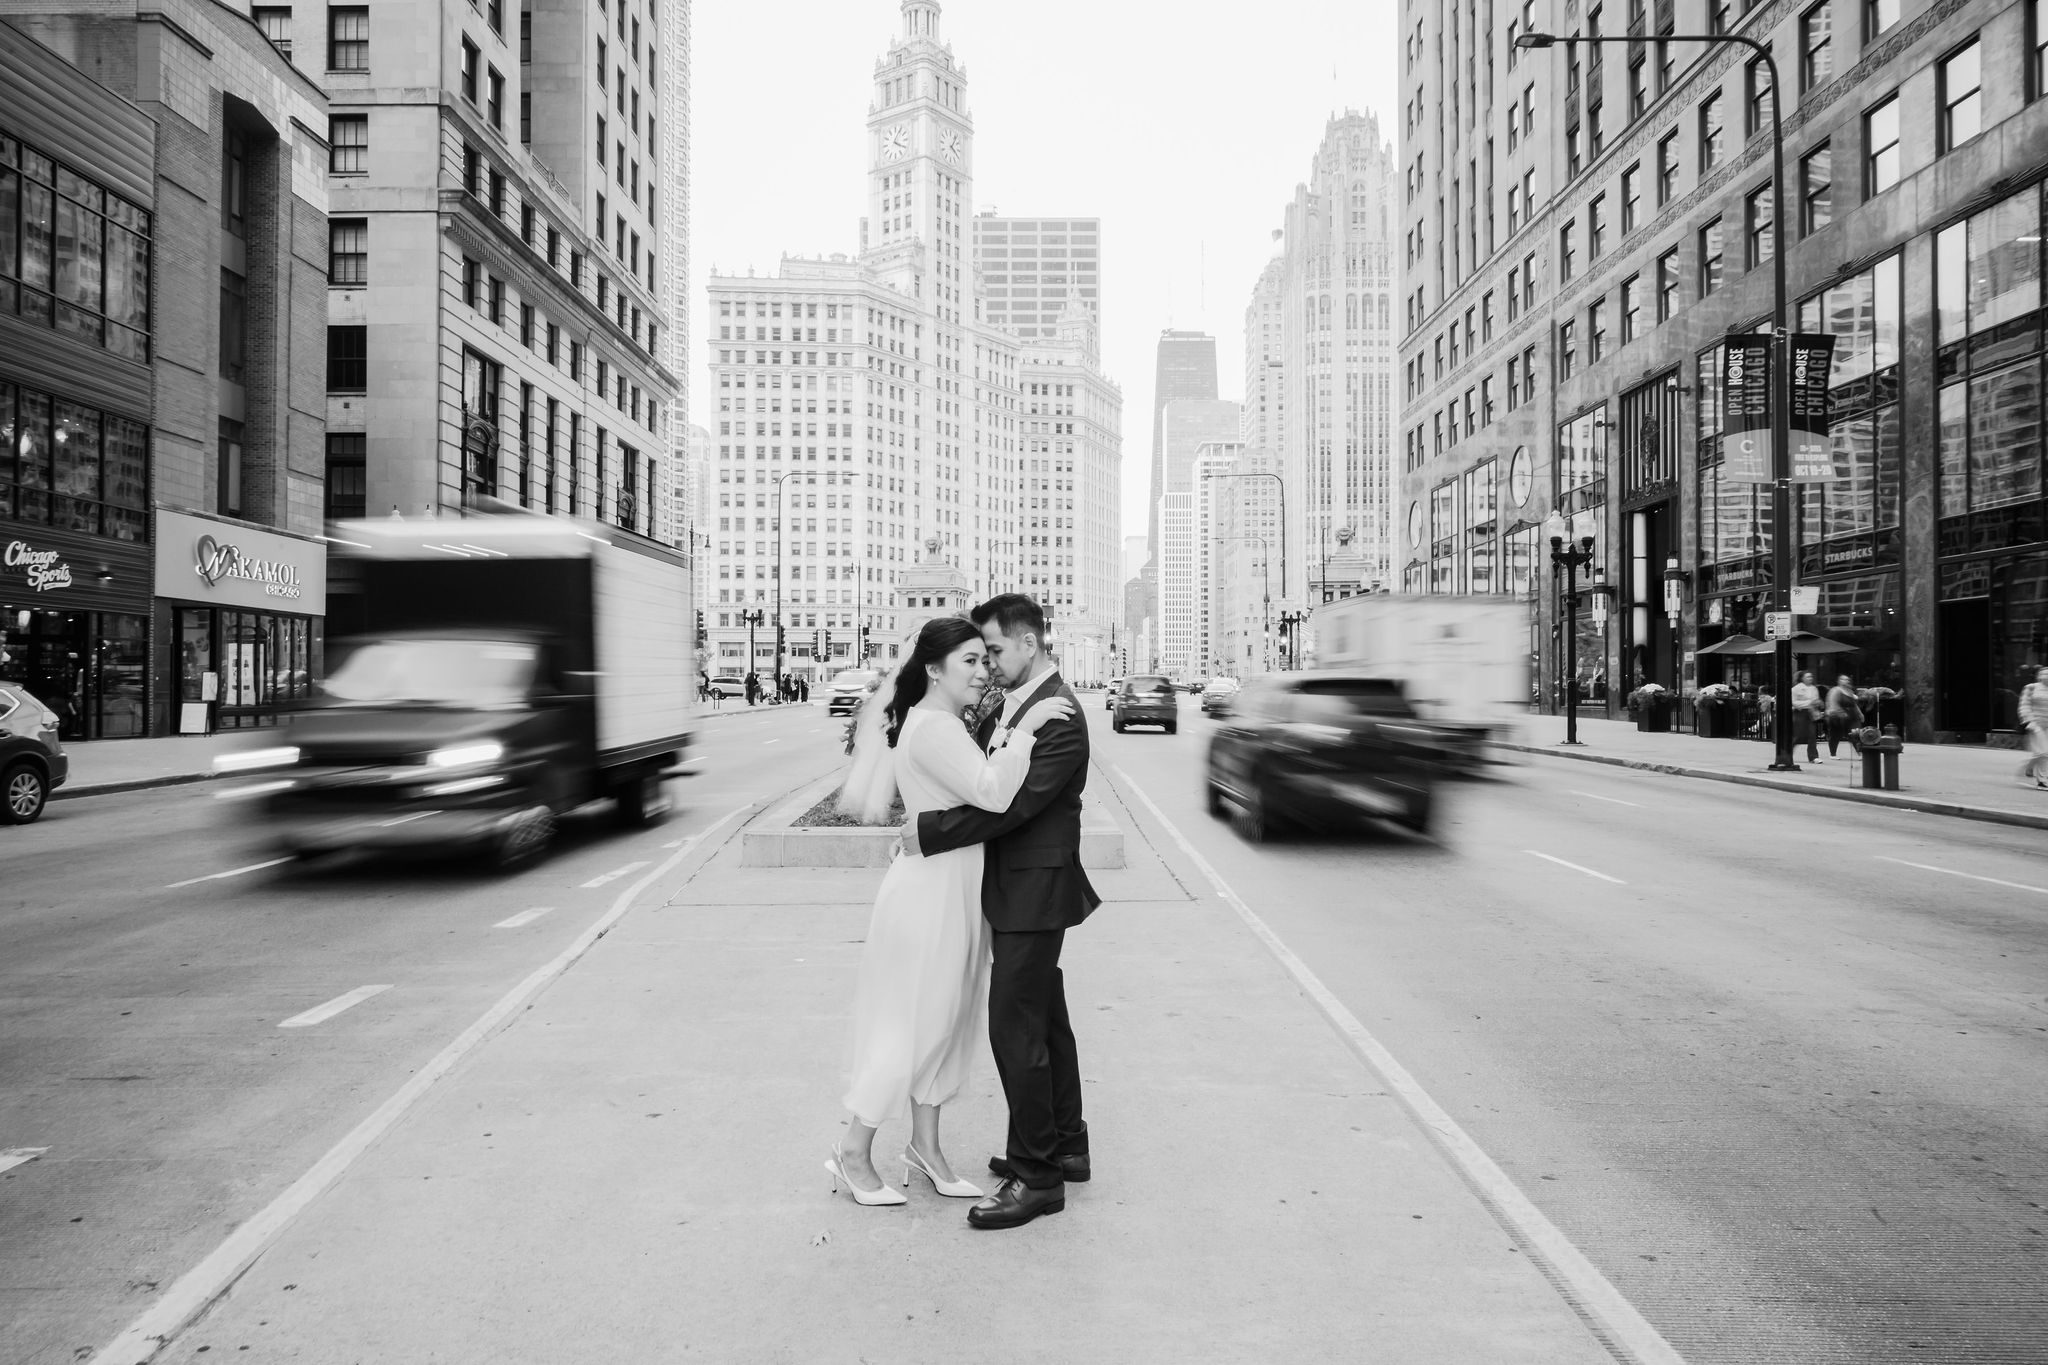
<point>1868,798</point>
<point>66,793</point>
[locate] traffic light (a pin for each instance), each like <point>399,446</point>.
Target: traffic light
<point>822,642</point>
<point>700,625</point>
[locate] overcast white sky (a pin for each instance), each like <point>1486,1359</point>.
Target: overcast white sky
<point>1183,124</point>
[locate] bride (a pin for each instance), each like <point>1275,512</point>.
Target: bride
<point>922,992</point>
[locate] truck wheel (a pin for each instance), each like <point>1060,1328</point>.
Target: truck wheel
<point>524,842</point>
<point>642,801</point>
<point>23,794</point>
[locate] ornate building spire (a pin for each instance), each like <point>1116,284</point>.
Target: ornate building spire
<point>921,19</point>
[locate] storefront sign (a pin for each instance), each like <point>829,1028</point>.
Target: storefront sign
<point>45,570</point>
<point>1813,454</point>
<point>1746,409</point>
<point>199,559</point>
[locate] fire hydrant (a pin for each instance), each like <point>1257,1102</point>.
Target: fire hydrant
<point>1881,760</point>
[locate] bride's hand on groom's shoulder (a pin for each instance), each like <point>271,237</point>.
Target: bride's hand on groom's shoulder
<point>1043,714</point>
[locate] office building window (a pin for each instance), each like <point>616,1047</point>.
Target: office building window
<point>348,251</point>
<point>1712,134</point>
<point>1816,45</point>
<point>472,170</point>
<point>1757,102</point>
<point>1596,331</point>
<point>72,256</point>
<point>494,105</point>
<point>1758,216</point>
<point>2037,50</point>
<point>227,470</point>
<point>1667,285</point>
<point>348,486</point>
<point>348,144</point>
<point>1878,15</point>
<point>1631,198</point>
<point>495,310</point>
<point>1816,186</point>
<point>472,57</point>
<point>1667,169</point>
<point>348,38</point>
<point>1567,252</point>
<point>1881,148</point>
<point>1710,258</point>
<point>234,324</point>
<point>1596,227</point>
<point>1631,308</point>
<point>276,23</point>
<point>472,282</point>
<point>1638,87</point>
<point>1960,86</point>
<point>348,359</point>
<point>1567,349</point>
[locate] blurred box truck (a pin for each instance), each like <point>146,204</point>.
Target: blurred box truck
<point>1462,662</point>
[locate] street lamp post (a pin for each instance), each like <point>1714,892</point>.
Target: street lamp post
<point>1291,623</point>
<point>1781,360</point>
<point>1261,474</point>
<point>750,619</point>
<point>1571,560</point>
<point>781,533</point>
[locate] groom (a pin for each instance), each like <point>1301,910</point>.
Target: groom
<point>1032,891</point>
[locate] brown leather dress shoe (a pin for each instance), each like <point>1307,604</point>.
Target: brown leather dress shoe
<point>1014,1204</point>
<point>1073,1169</point>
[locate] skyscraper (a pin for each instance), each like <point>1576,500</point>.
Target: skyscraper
<point>1033,268</point>
<point>874,374</point>
<point>1197,437</point>
<point>1185,368</point>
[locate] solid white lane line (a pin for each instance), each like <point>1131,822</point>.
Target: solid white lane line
<point>1609,1315</point>
<point>523,917</point>
<point>320,1014</point>
<point>15,1156</point>
<point>205,1282</point>
<point>232,872</point>
<point>1929,867</point>
<point>613,875</point>
<point>771,741</point>
<point>1575,867</point>
<point>1598,797</point>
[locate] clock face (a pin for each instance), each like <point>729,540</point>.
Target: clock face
<point>1415,524</point>
<point>1520,476</point>
<point>951,145</point>
<point>896,142</point>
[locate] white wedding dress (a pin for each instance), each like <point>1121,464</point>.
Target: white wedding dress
<point>921,1002</point>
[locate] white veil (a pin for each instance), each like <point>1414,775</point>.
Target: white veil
<point>870,785</point>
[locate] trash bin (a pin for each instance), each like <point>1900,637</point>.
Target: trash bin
<point>1881,761</point>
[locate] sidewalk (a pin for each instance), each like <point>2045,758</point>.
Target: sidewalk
<point>632,1171</point>
<point>1940,779</point>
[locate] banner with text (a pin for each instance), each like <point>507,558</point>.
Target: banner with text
<point>1813,453</point>
<point>1746,409</point>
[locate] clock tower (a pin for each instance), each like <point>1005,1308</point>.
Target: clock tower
<point>920,172</point>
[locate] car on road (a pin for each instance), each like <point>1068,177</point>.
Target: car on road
<point>1145,699</point>
<point>1115,686</point>
<point>728,685</point>
<point>1325,749</point>
<point>32,759</point>
<point>850,689</point>
<point>1216,696</point>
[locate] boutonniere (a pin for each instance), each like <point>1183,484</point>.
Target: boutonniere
<point>1001,740</point>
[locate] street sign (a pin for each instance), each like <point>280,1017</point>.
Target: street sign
<point>1805,600</point>
<point>1778,625</point>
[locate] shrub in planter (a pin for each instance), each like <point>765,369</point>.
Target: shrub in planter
<point>1651,705</point>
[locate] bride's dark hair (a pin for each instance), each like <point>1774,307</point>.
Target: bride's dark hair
<point>938,638</point>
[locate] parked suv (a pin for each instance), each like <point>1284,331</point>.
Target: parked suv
<point>1324,748</point>
<point>729,685</point>
<point>1145,699</point>
<point>32,761</point>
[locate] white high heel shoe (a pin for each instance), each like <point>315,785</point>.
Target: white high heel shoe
<point>952,1189</point>
<point>881,1198</point>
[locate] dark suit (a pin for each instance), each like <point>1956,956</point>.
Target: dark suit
<point>1033,890</point>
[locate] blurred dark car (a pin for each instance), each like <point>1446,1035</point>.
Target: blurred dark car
<point>1145,699</point>
<point>850,689</point>
<point>1217,696</point>
<point>1323,749</point>
<point>32,760</point>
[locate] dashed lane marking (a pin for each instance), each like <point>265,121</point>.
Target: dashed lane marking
<point>191,1292</point>
<point>771,741</point>
<point>1949,871</point>
<point>1598,797</point>
<point>320,1014</point>
<point>1574,867</point>
<point>613,875</point>
<point>523,917</point>
<point>1626,1333</point>
<point>16,1156</point>
<point>231,872</point>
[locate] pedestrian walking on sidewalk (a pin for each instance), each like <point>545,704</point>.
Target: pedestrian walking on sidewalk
<point>1806,714</point>
<point>1032,892</point>
<point>922,991</point>
<point>2034,716</point>
<point>1844,713</point>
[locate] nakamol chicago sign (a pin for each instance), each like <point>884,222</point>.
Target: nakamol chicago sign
<point>199,559</point>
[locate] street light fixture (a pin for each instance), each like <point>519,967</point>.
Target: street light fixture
<point>1781,357</point>
<point>1571,560</point>
<point>1261,474</point>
